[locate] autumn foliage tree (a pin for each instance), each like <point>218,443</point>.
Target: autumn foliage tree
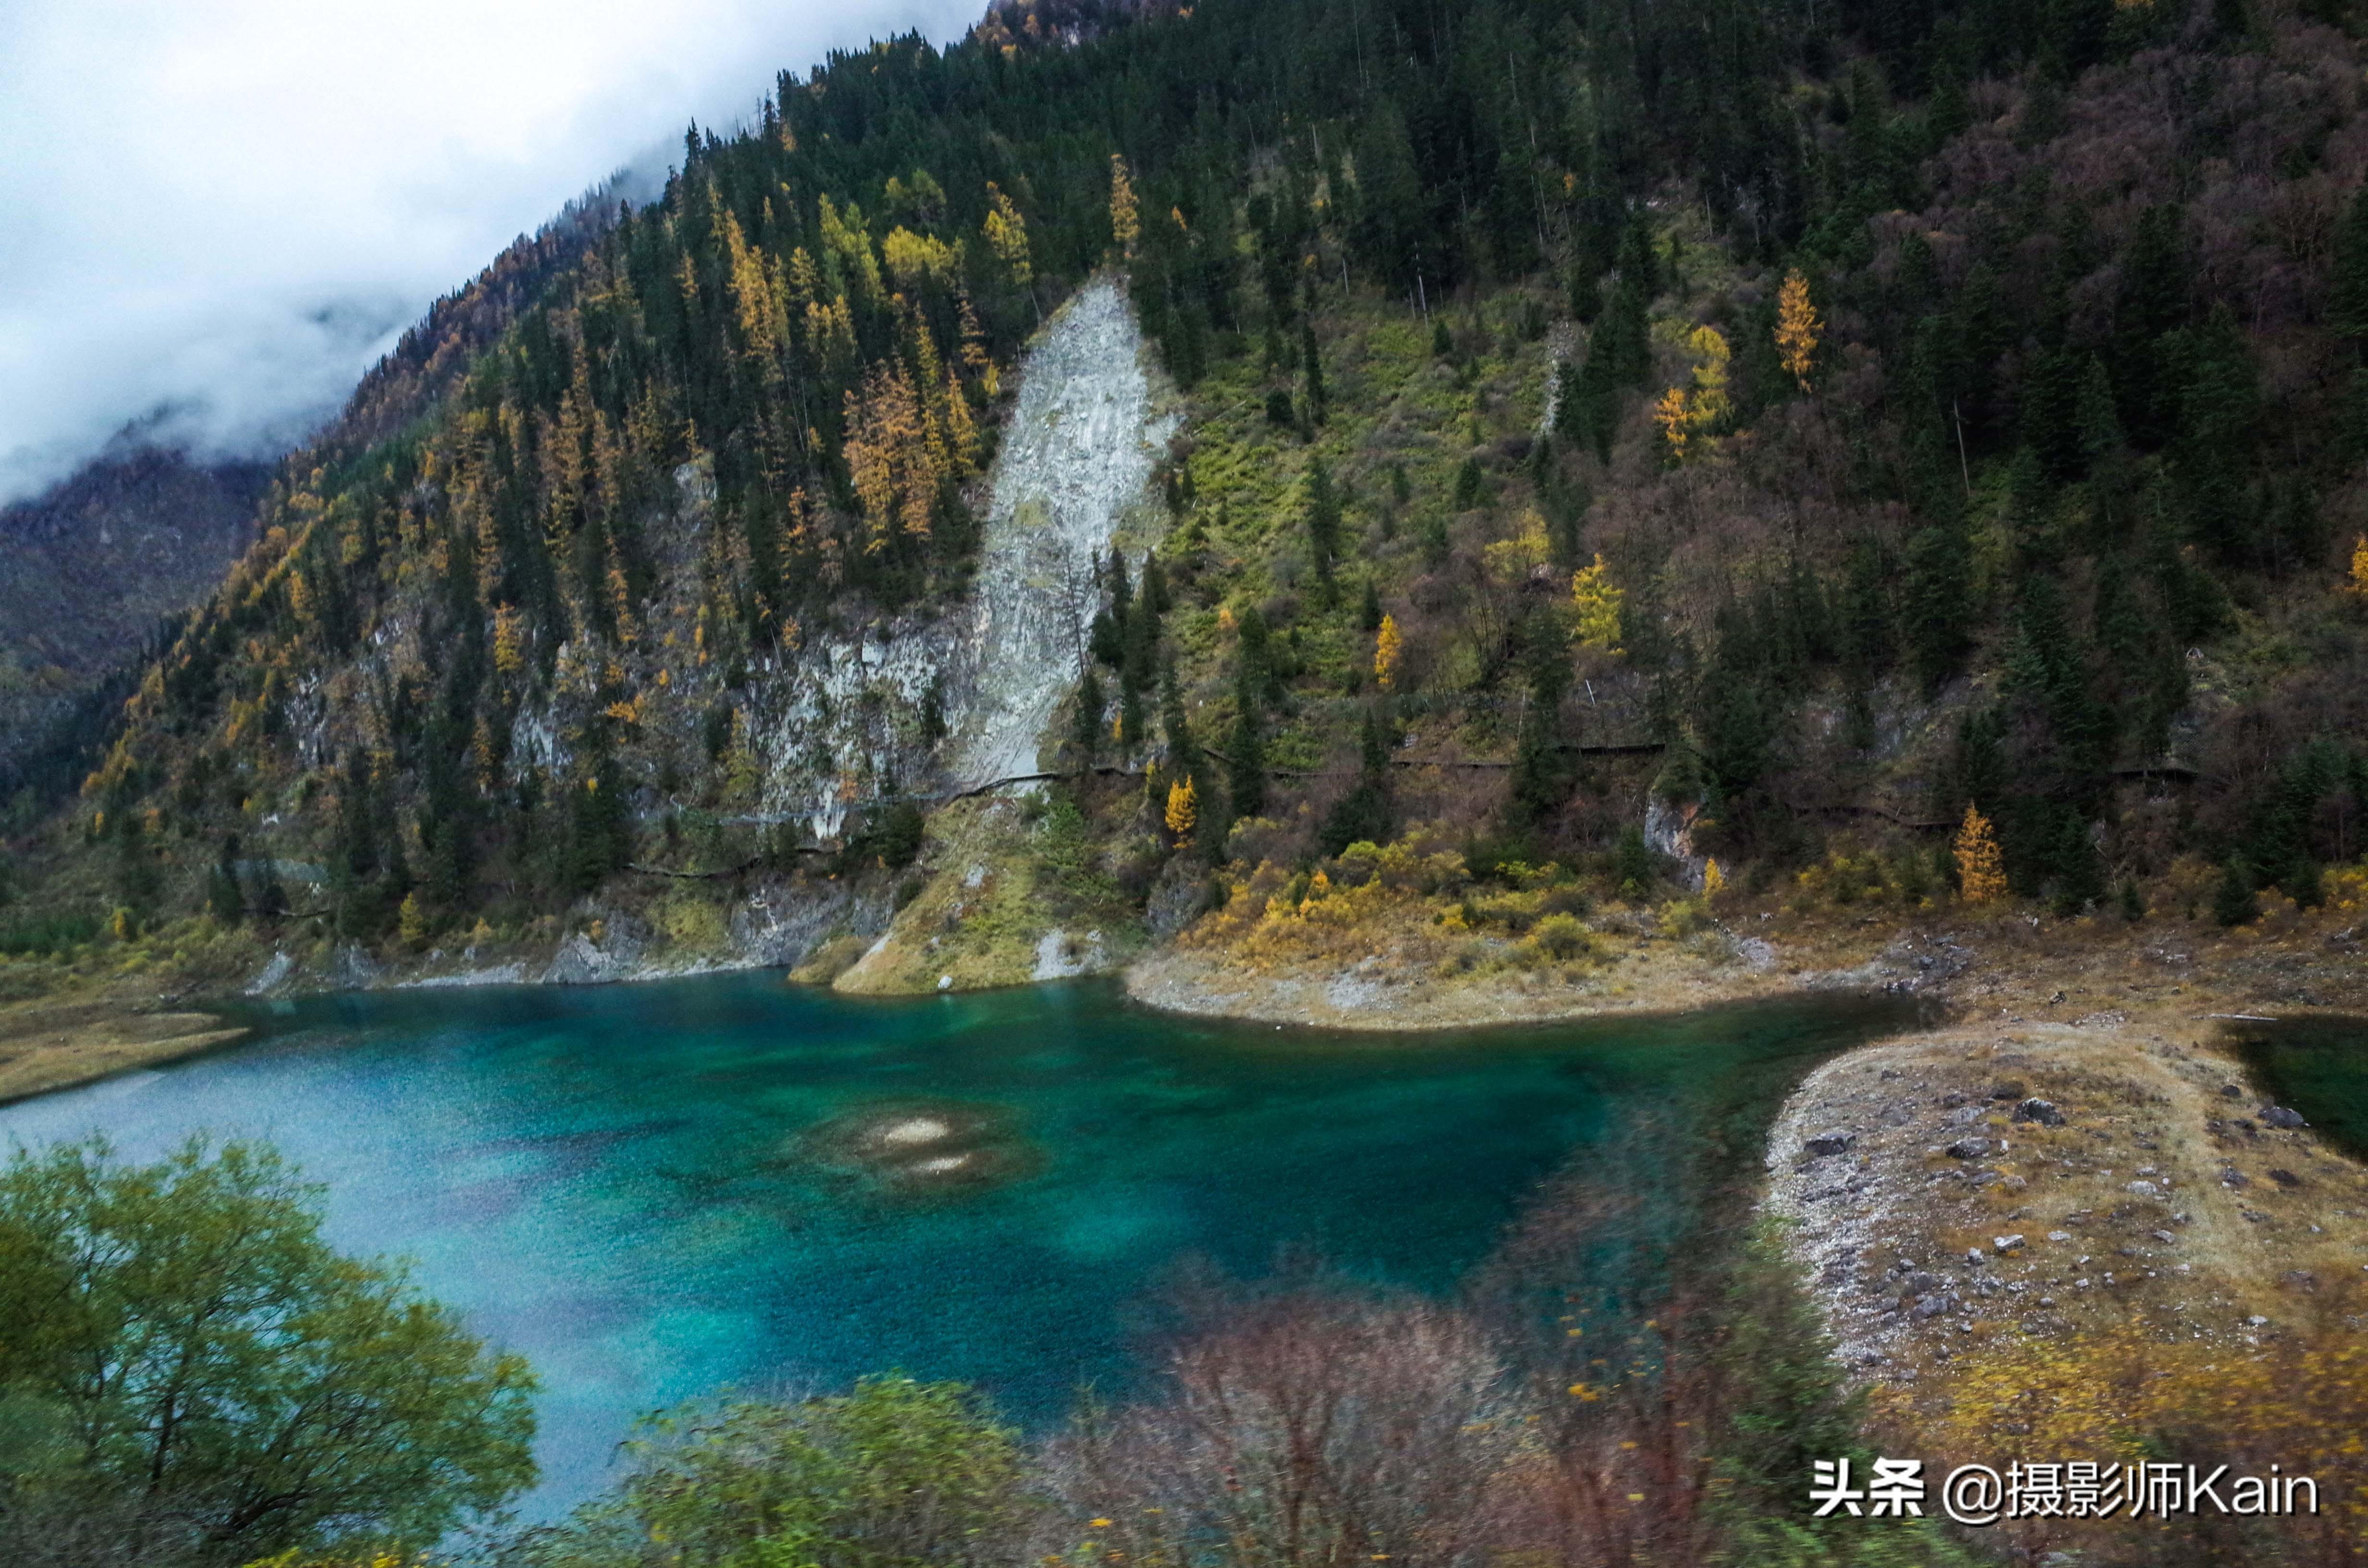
<point>1388,648</point>
<point>1798,328</point>
<point>1981,871</point>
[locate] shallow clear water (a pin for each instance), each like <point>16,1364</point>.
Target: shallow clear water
<point>2317,1066</point>
<point>628,1184</point>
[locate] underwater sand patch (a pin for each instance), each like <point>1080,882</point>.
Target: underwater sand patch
<point>913,1130</point>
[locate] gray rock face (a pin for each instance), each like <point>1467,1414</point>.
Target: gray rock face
<point>1180,894</point>
<point>843,711</point>
<point>1079,454</point>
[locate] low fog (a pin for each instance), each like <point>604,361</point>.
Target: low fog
<point>213,218</point>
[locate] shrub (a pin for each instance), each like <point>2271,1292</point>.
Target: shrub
<point>894,1472</point>
<point>1681,918</point>
<point>1559,936</point>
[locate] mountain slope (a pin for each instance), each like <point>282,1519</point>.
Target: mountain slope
<point>1968,417</point>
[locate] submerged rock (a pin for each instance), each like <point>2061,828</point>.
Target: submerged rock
<point>920,1148</point>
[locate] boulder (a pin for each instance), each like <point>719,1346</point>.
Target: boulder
<point>1831,1143</point>
<point>2043,1112</point>
<point>1969,1148</point>
<point>2279,1116</point>
<point>2285,1178</point>
<point>2005,1243</point>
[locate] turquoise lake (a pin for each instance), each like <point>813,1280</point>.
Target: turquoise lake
<point>656,1190</point>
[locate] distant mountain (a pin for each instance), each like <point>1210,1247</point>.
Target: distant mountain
<point>88,571</point>
<point>91,570</point>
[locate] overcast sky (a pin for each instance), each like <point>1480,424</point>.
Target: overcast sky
<point>225,211</point>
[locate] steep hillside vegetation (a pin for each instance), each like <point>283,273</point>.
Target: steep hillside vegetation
<point>1832,421</point>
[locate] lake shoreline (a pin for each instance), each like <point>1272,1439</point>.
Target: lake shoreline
<point>1632,972</point>
<point>55,1045</point>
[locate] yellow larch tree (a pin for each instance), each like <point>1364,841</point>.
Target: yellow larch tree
<point>758,299</point>
<point>1797,327</point>
<point>915,259</point>
<point>1981,871</point>
<point>1598,601</point>
<point>1387,648</point>
<point>1007,236</point>
<point>1669,414</point>
<point>1708,405</point>
<point>895,455</point>
<point>1183,810</point>
<point>2359,583</point>
<point>411,921</point>
<point>1126,217</point>
<point>510,641</point>
<point>846,238</point>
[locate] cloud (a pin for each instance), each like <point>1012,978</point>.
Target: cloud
<point>213,217</point>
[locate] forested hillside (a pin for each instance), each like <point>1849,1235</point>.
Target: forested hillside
<point>1831,417</point>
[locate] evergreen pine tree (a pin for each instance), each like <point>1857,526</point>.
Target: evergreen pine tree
<point>1938,616</point>
<point>1174,725</point>
<point>1311,365</point>
<point>2347,294</point>
<point>1245,769</point>
<point>1363,814</point>
<point>1541,776</point>
<point>2233,903</point>
<point>1469,486</point>
<point>2095,414</point>
<point>1639,264</point>
<point>225,900</point>
<point>1624,339</point>
<point>1323,519</point>
<point>1131,725</point>
<point>1086,728</point>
